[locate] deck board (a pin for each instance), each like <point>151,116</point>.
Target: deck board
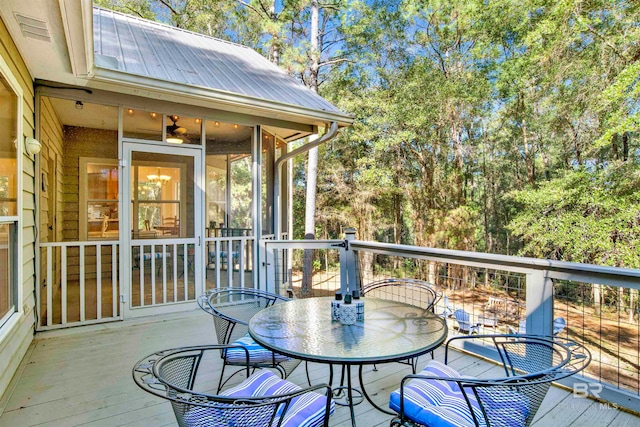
<point>82,376</point>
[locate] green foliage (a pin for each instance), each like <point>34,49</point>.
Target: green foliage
<point>590,216</point>
<point>457,103</point>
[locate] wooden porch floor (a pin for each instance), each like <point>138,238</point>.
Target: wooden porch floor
<point>82,376</point>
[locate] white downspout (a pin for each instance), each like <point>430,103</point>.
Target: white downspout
<point>333,131</point>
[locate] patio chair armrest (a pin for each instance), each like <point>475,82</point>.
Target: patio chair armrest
<point>461,337</point>
<point>146,377</point>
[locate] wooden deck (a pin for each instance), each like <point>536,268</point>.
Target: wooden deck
<point>82,376</point>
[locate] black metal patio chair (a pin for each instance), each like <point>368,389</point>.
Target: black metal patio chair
<point>231,310</point>
<point>409,291</point>
<point>439,395</point>
<point>182,376</point>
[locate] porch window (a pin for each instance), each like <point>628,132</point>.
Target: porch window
<point>157,204</point>
<point>228,178</point>
<point>9,139</point>
<point>99,188</point>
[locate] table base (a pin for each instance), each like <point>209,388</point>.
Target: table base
<point>348,395</point>
<point>341,396</point>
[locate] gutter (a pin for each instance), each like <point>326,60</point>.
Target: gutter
<point>333,131</point>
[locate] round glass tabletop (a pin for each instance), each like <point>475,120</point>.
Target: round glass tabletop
<point>390,331</point>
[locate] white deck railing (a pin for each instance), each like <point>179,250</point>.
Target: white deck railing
<point>538,290</point>
<point>91,268</point>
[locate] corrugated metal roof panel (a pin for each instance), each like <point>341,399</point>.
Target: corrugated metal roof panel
<point>150,49</point>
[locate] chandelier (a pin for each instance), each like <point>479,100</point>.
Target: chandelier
<point>158,179</point>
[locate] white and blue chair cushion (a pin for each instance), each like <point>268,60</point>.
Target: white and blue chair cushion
<point>257,353</point>
<point>441,403</point>
<point>306,410</point>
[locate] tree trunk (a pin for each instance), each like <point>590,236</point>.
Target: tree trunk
<point>312,166</point>
<point>309,221</point>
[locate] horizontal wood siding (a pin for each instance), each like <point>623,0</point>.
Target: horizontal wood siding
<point>51,133</point>
<point>14,345</point>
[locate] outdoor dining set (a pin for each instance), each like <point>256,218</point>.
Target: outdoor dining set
<point>263,337</point>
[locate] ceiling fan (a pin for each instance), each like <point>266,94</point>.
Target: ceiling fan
<point>174,131</point>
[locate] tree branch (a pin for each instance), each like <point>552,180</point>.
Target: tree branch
<point>248,6</point>
<point>334,61</point>
<point>606,42</point>
<point>168,6</point>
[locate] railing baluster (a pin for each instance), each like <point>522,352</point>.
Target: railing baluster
<point>141,272</point>
<point>63,291</point>
<point>114,280</point>
<point>164,273</point>
<point>98,281</point>
<point>153,274</point>
<point>82,274</point>
<point>49,286</point>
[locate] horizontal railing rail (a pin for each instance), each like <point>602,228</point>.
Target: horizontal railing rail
<point>612,276</point>
<point>599,304</point>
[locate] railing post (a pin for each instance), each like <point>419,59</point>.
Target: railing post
<point>350,280</point>
<point>265,269</point>
<point>539,303</point>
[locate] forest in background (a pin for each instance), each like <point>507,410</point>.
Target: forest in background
<point>491,126</point>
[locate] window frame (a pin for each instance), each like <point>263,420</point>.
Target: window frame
<point>10,320</point>
<point>84,199</point>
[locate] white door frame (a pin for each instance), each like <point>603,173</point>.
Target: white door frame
<point>125,217</point>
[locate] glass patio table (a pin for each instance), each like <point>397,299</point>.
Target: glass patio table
<point>391,331</point>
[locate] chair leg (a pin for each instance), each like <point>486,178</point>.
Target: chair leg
<point>224,365</point>
<point>414,363</point>
<point>306,368</point>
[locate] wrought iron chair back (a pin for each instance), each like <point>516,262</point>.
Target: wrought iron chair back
<point>530,363</point>
<point>409,291</point>
<point>174,374</point>
<point>231,310</point>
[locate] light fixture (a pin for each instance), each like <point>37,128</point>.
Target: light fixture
<point>158,179</point>
<point>154,115</point>
<point>216,123</point>
<point>235,126</point>
<point>32,146</point>
<point>175,131</point>
<point>173,139</point>
<point>198,121</point>
<point>79,105</point>
<point>130,111</point>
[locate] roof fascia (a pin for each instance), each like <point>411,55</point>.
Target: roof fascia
<point>77,21</point>
<point>161,89</point>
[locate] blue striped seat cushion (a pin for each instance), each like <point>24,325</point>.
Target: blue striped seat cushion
<point>257,353</point>
<point>442,404</point>
<point>306,410</point>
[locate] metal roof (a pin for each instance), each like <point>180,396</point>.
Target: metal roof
<point>156,51</point>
